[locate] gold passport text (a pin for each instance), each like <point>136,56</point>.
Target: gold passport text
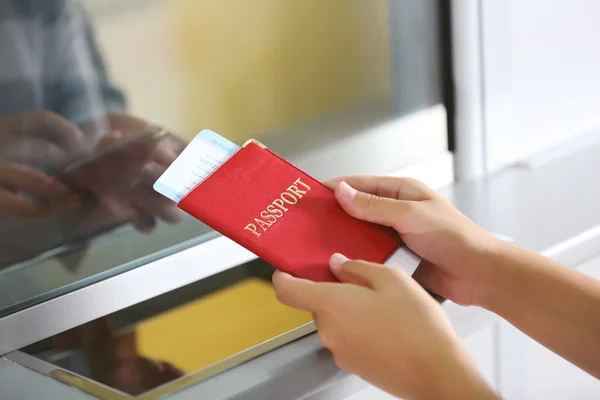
<point>278,208</point>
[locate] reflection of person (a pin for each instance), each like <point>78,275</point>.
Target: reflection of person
<point>383,326</point>
<point>29,141</point>
<point>113,357</point>
<point>57,105</point>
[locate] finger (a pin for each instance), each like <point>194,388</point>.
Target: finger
<point>387,186</point>
<point>151,173</point>
<point>136,216</point>
<point>22,178</point>
<point>17,205</point>
<point>126,211</point>
<point>142,220</point>
<point>116,207</point>
<point>37,151</point>
<point>371,207</point>
<point>121,148</point>
<point>55,128</point>
<point>128,123</point>
<point>149,200</point>
<point>125,154</point>
<point>110,139</point>
<point>154,204</point>
<point>362,273</point>
<point>303,294</point>
<point>164,154</point>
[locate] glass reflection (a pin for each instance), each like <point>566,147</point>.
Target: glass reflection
<point>103,354</point>
<point>73,162</point>
<point>81,86</point>
<point>158,341</point>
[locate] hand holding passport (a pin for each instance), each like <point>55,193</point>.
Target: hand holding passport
<point>378,322</point>
<point>273,209</point>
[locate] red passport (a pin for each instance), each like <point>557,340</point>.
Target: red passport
<point>284,216</point>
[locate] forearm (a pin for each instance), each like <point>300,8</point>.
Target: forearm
<point>555,305</point>
<point>455,377</point>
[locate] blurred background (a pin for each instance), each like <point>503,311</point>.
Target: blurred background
<point>296,75</point>
<point>247,69</point>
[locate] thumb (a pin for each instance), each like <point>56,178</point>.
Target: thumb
<point>361,273</point>
<point>303,294</point>
<point>109,139</point>
<point>371,207</point>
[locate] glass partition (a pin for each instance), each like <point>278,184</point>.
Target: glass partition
<point>175,340</point>
<point>97,97</point>
<point>272,68</point>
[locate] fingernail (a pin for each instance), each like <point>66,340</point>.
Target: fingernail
<point>337,260</point>
<point>348,191</point>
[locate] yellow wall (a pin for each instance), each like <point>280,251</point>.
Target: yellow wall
<point>254,66</point>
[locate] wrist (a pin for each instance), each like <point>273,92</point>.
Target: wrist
<point>454,376</point>
<point>495,263</point>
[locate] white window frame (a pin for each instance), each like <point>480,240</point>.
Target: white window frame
<point>508,56</point>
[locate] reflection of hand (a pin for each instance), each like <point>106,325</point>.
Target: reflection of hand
<point>135,199</point>
<point>30,142</point>
<point>382,326</point>
<point>16,181</point>
<point>130,159</point>
<point>40,139</point>
<point>113,357</point>
<point>138,375</point>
